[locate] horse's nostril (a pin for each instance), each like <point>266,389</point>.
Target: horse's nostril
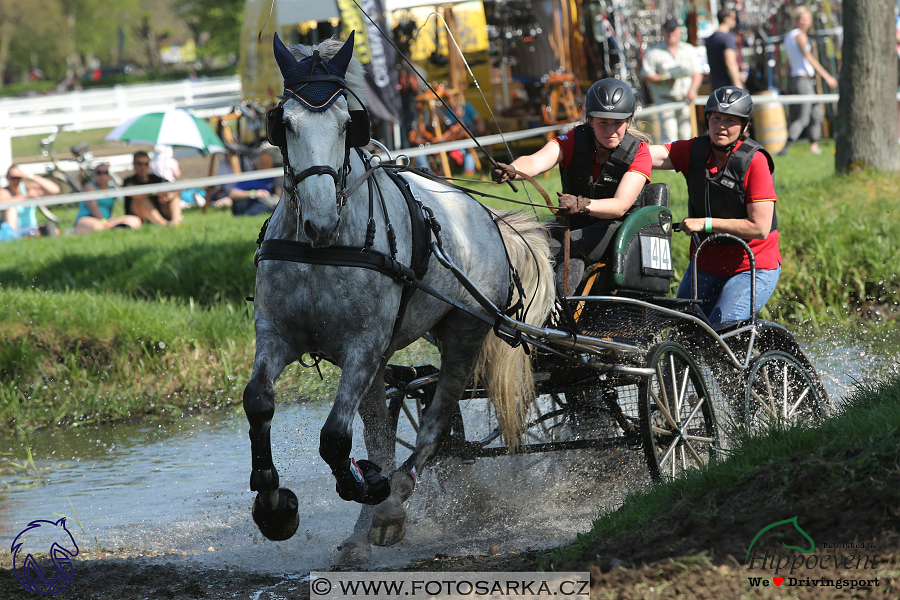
<point>309,230</point>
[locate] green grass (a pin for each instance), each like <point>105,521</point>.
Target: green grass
<point>29,147</point>
<point>122,324</point>
<point>93,310</point>
<point>860,442</point>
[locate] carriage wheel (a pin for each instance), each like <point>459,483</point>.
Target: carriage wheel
<point>780,391</point>
<point>678,425</point>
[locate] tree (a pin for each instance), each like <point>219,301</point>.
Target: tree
<point>216,25</point>
<point>29,37</point>
<point>867,132</point>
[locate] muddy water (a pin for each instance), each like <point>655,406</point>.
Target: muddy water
<point>183,487</point>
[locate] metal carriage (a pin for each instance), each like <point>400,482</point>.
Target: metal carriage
<point>622,365</point>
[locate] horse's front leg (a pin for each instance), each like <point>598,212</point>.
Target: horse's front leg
<point>380,435</point>
<point>274,509</point>
<point>359,481</point>
<point>460,338</point>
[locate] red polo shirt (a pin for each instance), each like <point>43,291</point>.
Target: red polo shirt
<point>758,187</point>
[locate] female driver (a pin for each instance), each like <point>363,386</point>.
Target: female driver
<point>730,190</point>
<point>603,167</point>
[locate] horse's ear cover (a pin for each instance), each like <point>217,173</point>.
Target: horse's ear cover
<point>358,129</point>
<point>283,56</point>
<point>275,133</point>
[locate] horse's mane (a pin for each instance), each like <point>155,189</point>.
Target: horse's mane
<point>355,76</point>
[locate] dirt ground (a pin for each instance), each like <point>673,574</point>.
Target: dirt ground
<point>693,551</point>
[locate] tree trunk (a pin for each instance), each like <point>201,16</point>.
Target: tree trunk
<point>6,33</point>
<point>867,108</point>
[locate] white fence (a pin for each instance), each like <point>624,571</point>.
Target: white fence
<point>107,107</point>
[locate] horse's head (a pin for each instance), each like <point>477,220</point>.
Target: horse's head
<point>315,128</point>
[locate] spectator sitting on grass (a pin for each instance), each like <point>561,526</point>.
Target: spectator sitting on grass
<point>21,221</point>
<point>257,196</point>
<point>218,196</point>
<point>162,208</point>
<point>96,215</point>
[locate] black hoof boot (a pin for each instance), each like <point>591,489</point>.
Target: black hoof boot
<point>363,484</point>
<point>279,523</point>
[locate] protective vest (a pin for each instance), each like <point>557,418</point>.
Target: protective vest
<point>577,177</point>
<point>722,196</point>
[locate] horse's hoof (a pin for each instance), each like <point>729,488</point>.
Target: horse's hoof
<point>355,554</point>
<point>366,486</point>
<point>388,524</point>
<point>279,523</point>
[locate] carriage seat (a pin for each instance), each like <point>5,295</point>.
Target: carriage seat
<point>639,259</point>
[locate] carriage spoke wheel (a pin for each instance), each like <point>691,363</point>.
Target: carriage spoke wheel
<point>678,425</point>
<point>781,392</point>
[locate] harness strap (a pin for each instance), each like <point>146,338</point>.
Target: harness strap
<point>345,256</point>
<point>420,232</point>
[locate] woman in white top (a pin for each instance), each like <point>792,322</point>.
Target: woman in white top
<point>804,67</point>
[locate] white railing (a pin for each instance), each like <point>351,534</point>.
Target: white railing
<point>107,107</point>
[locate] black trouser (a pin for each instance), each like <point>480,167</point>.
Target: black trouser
<point>587,246</point>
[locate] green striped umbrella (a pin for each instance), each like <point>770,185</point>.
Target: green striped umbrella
<point>175,127</point>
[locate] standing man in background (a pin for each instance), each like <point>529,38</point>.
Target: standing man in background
<point>804,67</point>
<point>672,70</point>
<point>721,52</point>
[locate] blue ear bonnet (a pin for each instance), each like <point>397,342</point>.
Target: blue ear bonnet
<point>318,95</point>
<point>314,81</point>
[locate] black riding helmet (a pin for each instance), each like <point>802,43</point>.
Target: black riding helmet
<point>610,99</point>
<point>733,101</point>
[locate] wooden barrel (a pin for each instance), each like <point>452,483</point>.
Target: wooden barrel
<point>770,126</point>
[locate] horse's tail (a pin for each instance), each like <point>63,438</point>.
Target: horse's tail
<point>506,371</point>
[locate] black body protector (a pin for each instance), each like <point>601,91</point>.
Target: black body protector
<point>577,178</point>
<point>722,196</point>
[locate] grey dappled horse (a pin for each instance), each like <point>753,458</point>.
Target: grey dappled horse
<point>347,314</point>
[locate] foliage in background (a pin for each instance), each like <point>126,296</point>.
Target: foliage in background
<point>216,23</point>
<point>66,35</point>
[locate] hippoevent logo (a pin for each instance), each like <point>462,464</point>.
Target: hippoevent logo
<point>50,537</point>
<point>804,567</point>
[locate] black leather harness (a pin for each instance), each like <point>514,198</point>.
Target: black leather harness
<point>425,234</point>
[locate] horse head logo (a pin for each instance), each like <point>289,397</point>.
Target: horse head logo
<point>53,538</point>
<point>791,521</point>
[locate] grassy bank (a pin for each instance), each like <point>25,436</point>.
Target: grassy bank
<point>839,478</point>
<point>124,323</point>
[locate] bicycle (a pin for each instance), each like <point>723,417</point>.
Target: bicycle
<point>55,171</point>
<point>83,157</point>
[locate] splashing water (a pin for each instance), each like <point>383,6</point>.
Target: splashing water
<point>182,488</point>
